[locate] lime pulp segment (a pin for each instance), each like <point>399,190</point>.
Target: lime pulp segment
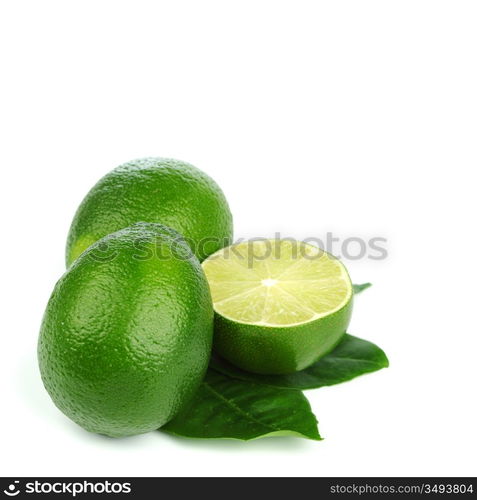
<point>276,282</point>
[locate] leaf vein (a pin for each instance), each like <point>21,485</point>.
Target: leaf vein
<point>239,410</point>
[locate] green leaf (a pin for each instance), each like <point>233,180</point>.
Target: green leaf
<point>234,409</point>
<point>360,288</point>
<point>350,358</point>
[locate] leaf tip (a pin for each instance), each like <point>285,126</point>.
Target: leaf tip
<point>358,288</point>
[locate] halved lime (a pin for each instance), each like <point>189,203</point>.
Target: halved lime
<point>280,304</point>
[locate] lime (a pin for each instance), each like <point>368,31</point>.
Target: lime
<point>162,190</point>
<point>280,305</point>
<point>127,333</point>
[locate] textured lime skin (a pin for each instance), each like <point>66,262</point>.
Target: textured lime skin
<point>126,336</point>
<point>162,190</point>
<point>279,350</point>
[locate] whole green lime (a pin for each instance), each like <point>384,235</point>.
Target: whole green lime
<point>127,333</point>
<point>162,190</point>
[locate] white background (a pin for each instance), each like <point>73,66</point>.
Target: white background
<point>356,117</point>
